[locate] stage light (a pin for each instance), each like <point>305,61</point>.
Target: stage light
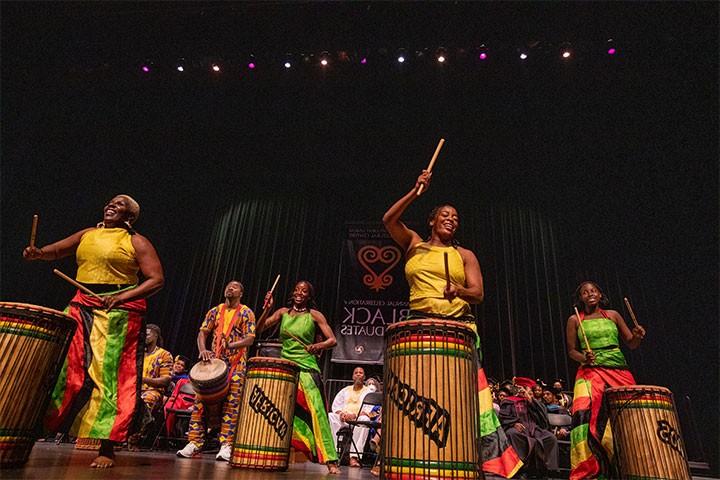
<point>441,55</point>
<point>566,54</point>
<point>145,69</point>
<point>215,67</point>
<point>180,68</point>
<point>523,56</point>
<point>324,62</point>
<point>566,50</point>
<point>287,64</point>
<point>363,61</point>
<point>401,59</point>
<point>482,52</point>
<point>325,59</point>
<point>611,47</point>
<point>251,65</point>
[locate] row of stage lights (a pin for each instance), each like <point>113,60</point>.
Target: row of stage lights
<point>441,56</point>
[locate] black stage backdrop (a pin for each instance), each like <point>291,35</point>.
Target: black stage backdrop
<point>601,168</point>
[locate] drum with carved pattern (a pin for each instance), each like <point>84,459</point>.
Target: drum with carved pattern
<point>33,343</point>
<point>430,409</point>
<point>646,433</point>
<point>267,408</point>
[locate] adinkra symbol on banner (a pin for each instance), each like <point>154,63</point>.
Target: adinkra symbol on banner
<point>386,256</point>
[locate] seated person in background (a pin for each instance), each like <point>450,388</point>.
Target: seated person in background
<point>155,380</point>
<point>551,403</point>
<point>537,390</point>
<point>564,398</point>
<point>346,406</point>
<point>180,368</point>
<point>526,425</point>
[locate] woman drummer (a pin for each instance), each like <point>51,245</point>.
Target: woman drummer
<point>99,383</point>
<point>433,295</point>
<point>602,365</point>
<point>298,325</point>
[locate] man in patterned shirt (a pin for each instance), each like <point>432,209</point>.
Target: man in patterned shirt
<point>157,366</point>
<point>232,326</point>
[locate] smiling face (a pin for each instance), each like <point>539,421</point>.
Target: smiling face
<point>117,211</point>
<point>590,295</point>
<point>301,294</point>
<point>179,366</point>
<point>445,222</point>
<point>548,397</point>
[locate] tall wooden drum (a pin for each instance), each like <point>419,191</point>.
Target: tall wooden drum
<point>646,433</point>
<point>265,422</point>
<point>33,344</point>
<point>430,409</point>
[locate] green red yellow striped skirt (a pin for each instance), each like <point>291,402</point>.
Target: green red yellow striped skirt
<point>591,442</point>
<point>99,385</point>
<point>311,428</point>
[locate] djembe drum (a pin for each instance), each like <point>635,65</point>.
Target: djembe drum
<point>646,433</point>
<point>266,415</point>
<point>212,384</point>
<point>33,344</point>
<point>430,409</point>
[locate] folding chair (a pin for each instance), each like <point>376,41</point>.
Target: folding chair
<point>371,400</point>
<point>558,421</point>
<point>178,408</point>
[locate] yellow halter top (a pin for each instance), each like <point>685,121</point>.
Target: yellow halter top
<point>425,273</point>
<point>107,256</point>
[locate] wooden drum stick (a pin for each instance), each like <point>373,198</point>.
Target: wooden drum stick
<point>630,310</point>
<point>78,285</point>
<point>272,289</point>
<point>582,330</point>
<point>432,163</point>
<point>33,231</point>
<point>298,340</point>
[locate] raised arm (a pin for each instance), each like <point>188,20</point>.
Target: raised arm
<point>54,251</point>
<point>327,332</point>
<point>632,338</point>
<point>152,271</point>
<point>398,231</point>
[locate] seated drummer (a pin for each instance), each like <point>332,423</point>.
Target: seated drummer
<point>232,326</point>
<point>156,379</point>
<point>444,280</point>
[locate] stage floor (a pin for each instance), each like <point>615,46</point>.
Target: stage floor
<point>62,462</point>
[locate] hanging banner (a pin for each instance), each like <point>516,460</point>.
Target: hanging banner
<point>372,293</point>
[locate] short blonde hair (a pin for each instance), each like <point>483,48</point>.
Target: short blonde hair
<point>133,207</point>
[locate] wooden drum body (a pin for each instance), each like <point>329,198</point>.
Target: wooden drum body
<point>210,381</point>
<point>646,433</point>
<point>265,422</point>
<point>430,409</point>
<point>33,344</point>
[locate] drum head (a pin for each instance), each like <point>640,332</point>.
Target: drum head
<point>203,372</point>
<point>638,389</point>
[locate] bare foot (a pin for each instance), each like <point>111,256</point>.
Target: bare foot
<point>101,461</point>
<point>375,471</point>
<point>354,462</point>
<point>333,469</point>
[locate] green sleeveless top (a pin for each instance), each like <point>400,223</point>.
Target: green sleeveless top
<point>303,327</point>
<point>603,335</point>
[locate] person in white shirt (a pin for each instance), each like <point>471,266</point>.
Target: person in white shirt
<point>346,406</point>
